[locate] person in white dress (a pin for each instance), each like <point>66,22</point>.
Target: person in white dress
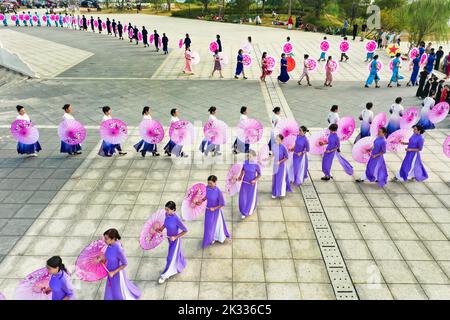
<point>396,111</point>
<point>274,121</point>
<point>142,146</point>
<point>108,149</point>
<point>172,147</point>
<point>72,149</point>
<point>333,115</point>
<point>238,145</point>
<point>206,146</point>
<point>23,148</point>
<point>366,118</point>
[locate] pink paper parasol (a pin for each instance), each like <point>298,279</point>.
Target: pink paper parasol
<point>21,17</point>
<point>290,64</point>
<point>2,17</point>
<point>195,57</point>
<point>213,46</point>
<point>223,58</point>
<point>24,132</point>
<point>140,36</point>
<point>31,288</point>
<point>271,63</point>
<point>316,139</point>
<point>26,17</point>
<point>190,209</point>
<point>215,131</point>
<point>289,141</point>
<point>65,20</point>
<point>151,131</point>
<point>423,59</point>
<point>446,146</point>
<point>180,43</point>
<point>125,28</point>
<point>151,38</point>
<point>35,19</point>
<point>346,127</point>
<point>288,48</point>
<point>413,53</point>
<point>104,25</point>
<point>71,132</point>
<point>287,127</point>
<point>249,131</point>
<point>396,138</point>
<point>90,265</point>
<point>371,46</point>
<point>334,66</point>
<point>311,64</point>
<point>114,131</point>
<point>247,60</point>
<point>13,18</point>
<point>324,45</point>
<point>159,42</point>
<point>438,112</point>
<point>362,150</point>
<point>88,22</point>
<point>95,23</point>
<point>150,238</point>
<point>344,46</point>
<point>379,65</point>
<point>379,121</point>
<point>181,132</point>
<point>409,118</point>
<point>263,156</point>
<point>131,32</point>
<point>232,184</point>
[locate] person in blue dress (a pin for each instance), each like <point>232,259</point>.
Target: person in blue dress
<point>31,18</point>
<point>396,77</point>
<point>65,147</point>
<point>38,19</point>
<point>415,72</point>
<point>60,285</point>
<point>5,20</point>
<point>22,148</point>
<point>373,75</point>
<point>284,75</point>
<point>61,23</point>
<point>240,65</point>
<point>17,20</point>
<point>430,61</point>
<point>143,146</point>
<point>47,16</point>
<point>323,53</point>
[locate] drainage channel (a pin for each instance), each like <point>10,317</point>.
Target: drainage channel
<point>337,271</point>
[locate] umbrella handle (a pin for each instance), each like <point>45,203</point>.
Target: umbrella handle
<point>106,269</point>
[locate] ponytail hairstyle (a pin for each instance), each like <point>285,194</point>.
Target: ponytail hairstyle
<point>145,110</point>
<point>334,108</point>
<point>112,234</point>
<point>56,262</point>
<point>212,109</point>
<point>171,205</point>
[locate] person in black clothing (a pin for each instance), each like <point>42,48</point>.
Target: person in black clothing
<point>440,87</point>
<point>363,31</point>
<point>120,30</point>
<point>92,24</point>
<point>439,55</point>
<point>84,23</point>
<point>219,43</point>
<point>434,84</point>
<point>428,85</point>
<point>114,27</point>
<point>422,79</point>
<point>135,34</point>
<point>156,39</point>
<point>144,36</point>
<point>355,31</point>
<point>187,41</point>
<point>130,31</point>
<point>100,28</point>
<point>108,26</point>
<point>343,54</point>
<point>165,43</point>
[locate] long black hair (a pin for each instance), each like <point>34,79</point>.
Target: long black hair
<point>56,262</point>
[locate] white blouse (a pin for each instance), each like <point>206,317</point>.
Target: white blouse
<point>24,117</point>
<point>367,115</point>
<point>395,110</point>
<point>68,116</point>
<point>275,119</point>
<point>147,117</point>
<point>174,119</point>
<point>333,117</point>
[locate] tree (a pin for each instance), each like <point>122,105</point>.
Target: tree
<point>427,18</point>
<point>352,9</point>
<point>316,5</point>
<point>205,4</point>
<point>390,4</point>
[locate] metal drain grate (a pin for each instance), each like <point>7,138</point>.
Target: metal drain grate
<point>334,262</point>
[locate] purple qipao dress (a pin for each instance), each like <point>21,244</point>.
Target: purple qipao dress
<point>248,194</point>
<point>215,227</point>
<point>61,286</point>
<point>412,166</point>
<point>175,259</point>
<point>300,163</point>
<point>118,287</point>
<point>280,179</point>
<point>376,167</point>
<point>327,160</point>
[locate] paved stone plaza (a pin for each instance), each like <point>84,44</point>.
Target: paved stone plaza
<point>388,243</point>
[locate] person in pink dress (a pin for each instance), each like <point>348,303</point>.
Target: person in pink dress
<point>328,73</point>
<point>265,70</point>
<point>188,59</point>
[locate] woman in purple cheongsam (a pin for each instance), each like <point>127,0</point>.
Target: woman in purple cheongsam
<point>118,287</point>
<point>248,194</point>
<point>376,167</point>
<point>412,166</point>
<point>60,285</point>
<point>215,226</point>
<point>300,157</point>
<point>280,179</point>
<point>333,149</point>
<point>175,258</point>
